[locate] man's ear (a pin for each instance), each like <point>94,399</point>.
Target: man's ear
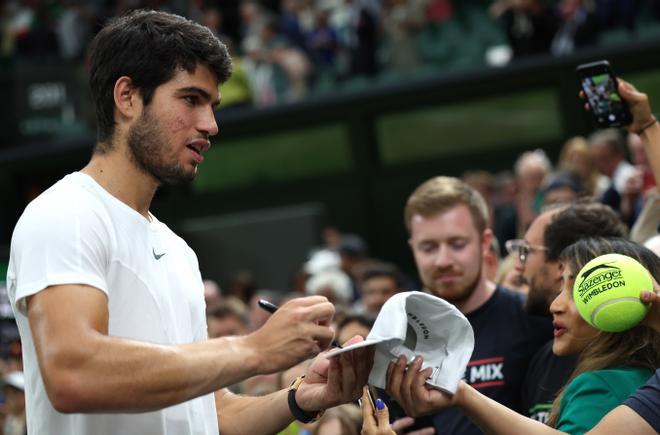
<point>554,269</point>
<point>486,240</point>
<point>128,102</point>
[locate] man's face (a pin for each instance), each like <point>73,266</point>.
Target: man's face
<point>603,158</point>
<point>350,330</point>
<point>225,326</point>
<point>560,195</point>
<point>376,291</point>
<point>448,251</point>
<point>536,271</point>
<point>168,139</point>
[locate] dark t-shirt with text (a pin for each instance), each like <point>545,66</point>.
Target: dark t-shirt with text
<point>546,375</point>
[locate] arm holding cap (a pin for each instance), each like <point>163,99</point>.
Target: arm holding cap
<point>408,388</point>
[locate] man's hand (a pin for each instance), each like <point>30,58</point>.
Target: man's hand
<point>408,387</point>
<point>297,331</point>
<point>638,103</point>
<point>334,381</point>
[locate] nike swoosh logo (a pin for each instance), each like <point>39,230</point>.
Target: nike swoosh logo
<point>157,256</point>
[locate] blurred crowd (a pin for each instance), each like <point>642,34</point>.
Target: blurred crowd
<point>608,166</point>
<point>284,50</point>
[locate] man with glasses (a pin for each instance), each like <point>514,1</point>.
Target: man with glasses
<point>537,262</point>
<point>521,248</point>
<point>537,300</point>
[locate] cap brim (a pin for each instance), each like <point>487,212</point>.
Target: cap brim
<point>333,353</point>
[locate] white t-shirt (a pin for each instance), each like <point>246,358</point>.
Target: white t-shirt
<point>77,233</point>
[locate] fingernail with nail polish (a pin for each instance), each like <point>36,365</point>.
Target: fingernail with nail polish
<point>379,404</point>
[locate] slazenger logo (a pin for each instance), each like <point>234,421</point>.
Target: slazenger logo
<point>597,275</point>
<point>486,372</point>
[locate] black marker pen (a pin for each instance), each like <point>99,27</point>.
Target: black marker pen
<point>271,308</point>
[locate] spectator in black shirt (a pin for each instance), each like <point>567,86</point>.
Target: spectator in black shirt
<point>449,236</point>
<point>538,263</point>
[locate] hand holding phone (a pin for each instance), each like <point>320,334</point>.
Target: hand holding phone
<point>600,88</point>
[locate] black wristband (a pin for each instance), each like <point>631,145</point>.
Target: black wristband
<point>299,414</point>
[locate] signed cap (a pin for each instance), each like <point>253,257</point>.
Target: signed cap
<point>418,324</point>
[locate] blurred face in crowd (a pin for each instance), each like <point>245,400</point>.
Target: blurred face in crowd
<point>334,426</point>
<point>226,326</point>
<point>350,330</point>
<point>560,195</point>
<point>376,291</point>
<point>14,400</point>
<point>330,427</point>
<point>512,279</point>
<point>580,162</point>
<point>637,153</point>
<point>448,251</point>
<point>571,333</point>
<point>530,176</point>
<point>541,276</point>
<point>604,157</point>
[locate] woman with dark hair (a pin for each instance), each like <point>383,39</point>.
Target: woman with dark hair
<point>611,365</point>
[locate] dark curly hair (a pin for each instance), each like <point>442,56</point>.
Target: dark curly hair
<point>148,47</point>
<point>584,218</point>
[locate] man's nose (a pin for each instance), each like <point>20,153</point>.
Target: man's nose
<point>207,123</point>
<point>443,257</point>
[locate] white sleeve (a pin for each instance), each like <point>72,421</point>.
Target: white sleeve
<point>60,239</point>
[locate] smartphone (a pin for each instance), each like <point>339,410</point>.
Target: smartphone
<point>601,90</point>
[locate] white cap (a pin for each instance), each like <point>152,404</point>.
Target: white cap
<point>324,259</point>
<point>418,324</point>
<point>334,279</point>
<point>15,379</point>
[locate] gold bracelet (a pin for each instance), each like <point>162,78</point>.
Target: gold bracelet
<point>649,124</point>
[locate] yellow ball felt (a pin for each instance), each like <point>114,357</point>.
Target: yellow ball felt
<point>606,292</point>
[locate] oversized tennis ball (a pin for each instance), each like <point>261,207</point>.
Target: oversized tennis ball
<point>606,292</point>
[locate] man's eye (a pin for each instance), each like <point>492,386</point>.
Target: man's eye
<point>427,247</point>
<point>191,99</point>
